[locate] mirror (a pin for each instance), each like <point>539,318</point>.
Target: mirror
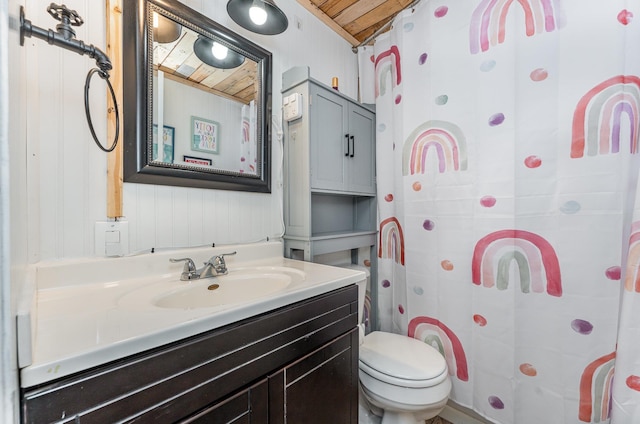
<point>209,90</point>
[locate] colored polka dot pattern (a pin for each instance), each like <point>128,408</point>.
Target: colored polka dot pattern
<point>422,59</point>
<point>581,326</point>
<point>496,119</point>
<point>442,100</point>
<point>446,265</point>
<point>539,74</point>
<point>480,320</point>
<point>625,17</point>
<point>428,225</point>
<point>532,162</point>
<point>441,12</point>
<point>613,273</point>
<point>496,402</point>
<point>570,207</point>
<point>487,65</point>
<point>388,198</point>
<point>416,186</point>
<point>528,370</point>
<point>488,201</point>
<point>633,382</point>
<point>386,283</point>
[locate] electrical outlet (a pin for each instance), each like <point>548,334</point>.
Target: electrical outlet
<point>112,238</point>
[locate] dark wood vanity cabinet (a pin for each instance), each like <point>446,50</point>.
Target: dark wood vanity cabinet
<point>297,364</point>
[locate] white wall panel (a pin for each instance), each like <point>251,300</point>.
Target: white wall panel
<point>66,172</point>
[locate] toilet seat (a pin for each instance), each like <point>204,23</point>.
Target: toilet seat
<point>401,361</point>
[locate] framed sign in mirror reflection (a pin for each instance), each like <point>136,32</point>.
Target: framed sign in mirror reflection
<point>205,135</point>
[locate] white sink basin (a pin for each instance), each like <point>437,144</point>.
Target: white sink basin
<point>238,286</point>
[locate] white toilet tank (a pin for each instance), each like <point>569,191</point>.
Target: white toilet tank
<point>362,287</point>
<point>362,292</point>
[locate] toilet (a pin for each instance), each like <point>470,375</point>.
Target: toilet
<point>402,380</point>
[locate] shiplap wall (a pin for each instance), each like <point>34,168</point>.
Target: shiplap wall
<point>61,191</point>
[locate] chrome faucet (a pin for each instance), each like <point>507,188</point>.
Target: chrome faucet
<point>216,265</point>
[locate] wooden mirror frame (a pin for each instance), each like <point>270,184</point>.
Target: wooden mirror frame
<point>137,74</point>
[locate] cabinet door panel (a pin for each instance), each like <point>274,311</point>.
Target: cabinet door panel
<point>361,161</point>
<point>320,388</point>
<point>328,141</point>
<point>247,407</point>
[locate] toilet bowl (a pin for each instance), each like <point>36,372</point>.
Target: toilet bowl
<point>404,377</point>
<point>402,380</point>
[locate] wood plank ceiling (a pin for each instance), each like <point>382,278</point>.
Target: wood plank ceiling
<point>179,62</point>
<point>355,20</point>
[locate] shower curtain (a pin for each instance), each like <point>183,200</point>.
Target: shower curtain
<point>248,142</point>
<point>509,220</point>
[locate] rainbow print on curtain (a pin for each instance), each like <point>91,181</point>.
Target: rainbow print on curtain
<point>595,390</point>
<point>445,138</point>
<point>599,116</point>
<point>387,65</point>
<point>632,280</point>
<point>391,240</point>
<point>436,334</point>
<point>248,154</point>
<point>490,17</point>
<point>535,258</point>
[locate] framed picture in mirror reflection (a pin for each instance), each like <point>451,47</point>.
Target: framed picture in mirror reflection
<point>205,135</point>
<point>197,161</point>
<point>168,139</point>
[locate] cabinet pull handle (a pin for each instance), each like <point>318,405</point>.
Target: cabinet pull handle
<point>353,146</point>
<point>346,139</point>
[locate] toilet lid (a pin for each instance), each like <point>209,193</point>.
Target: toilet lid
<point>401,357</point>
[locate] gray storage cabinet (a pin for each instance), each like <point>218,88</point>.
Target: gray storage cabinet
<point>329,171</point>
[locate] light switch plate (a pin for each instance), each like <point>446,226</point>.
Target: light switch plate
<point>292,107</point>
<point>112,238</point>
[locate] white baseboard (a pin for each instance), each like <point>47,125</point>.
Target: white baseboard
<point>460,415</point>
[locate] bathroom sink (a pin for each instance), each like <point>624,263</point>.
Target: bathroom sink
<point>238,286</point>
<point>223,290</point>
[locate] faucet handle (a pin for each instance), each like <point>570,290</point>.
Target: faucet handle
<point>219,259</point>
<point>218,262</point>
<point>222,255</point>
<point>189,269</point>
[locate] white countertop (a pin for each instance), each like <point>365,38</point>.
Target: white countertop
<point>77,318</point>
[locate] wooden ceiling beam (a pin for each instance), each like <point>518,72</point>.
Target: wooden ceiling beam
<point>311,7</point>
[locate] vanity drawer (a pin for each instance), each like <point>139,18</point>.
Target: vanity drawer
<point>175,381</point>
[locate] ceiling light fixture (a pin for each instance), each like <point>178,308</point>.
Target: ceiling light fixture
<point>215,54</point>
<point>219,51</point>
<point>164,29</point>
<point>259,16</point>
<point>257,13</point>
